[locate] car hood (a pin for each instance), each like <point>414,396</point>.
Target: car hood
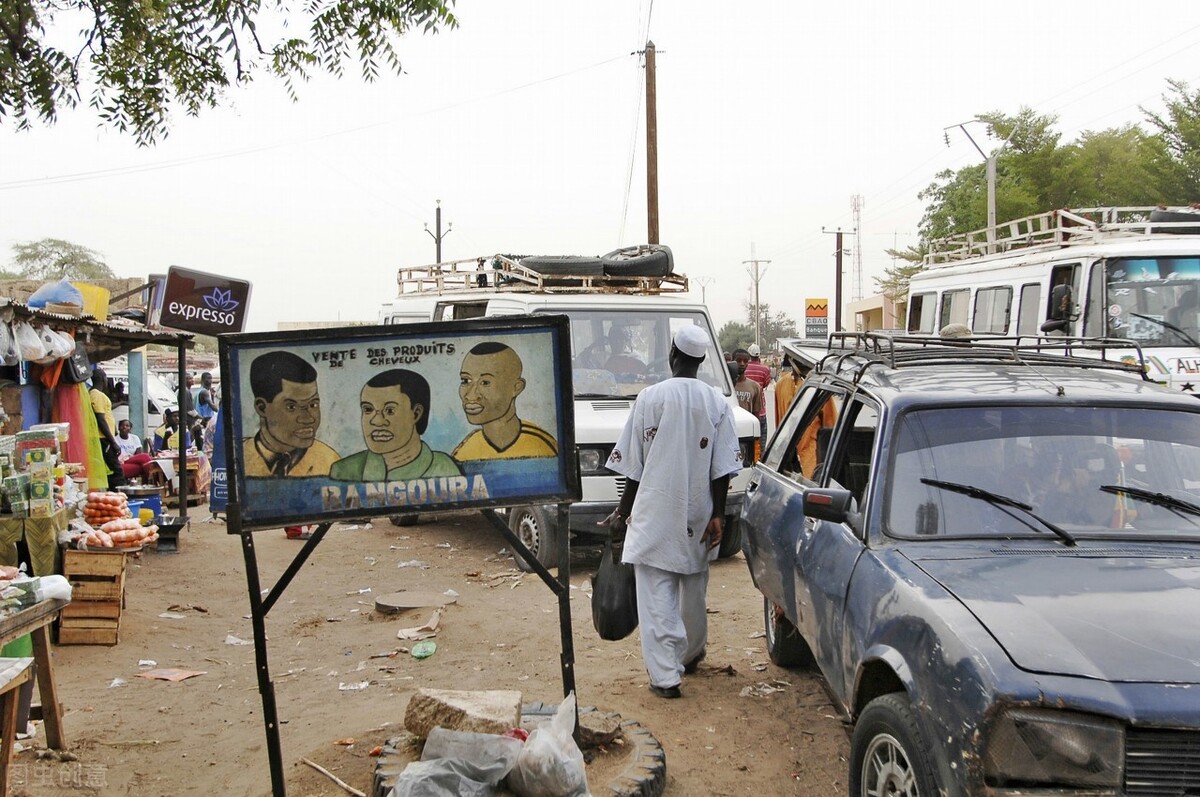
<point>1116,618</point>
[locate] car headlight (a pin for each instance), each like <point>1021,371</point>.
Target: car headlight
<point>591,462</point>
<point>1040,747</point>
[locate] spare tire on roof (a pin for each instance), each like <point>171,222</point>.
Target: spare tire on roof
<point>565,265</point>
<point>1164,216</point>
<point>647,260</point>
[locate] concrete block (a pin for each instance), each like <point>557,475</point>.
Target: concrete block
<point>489,711</point>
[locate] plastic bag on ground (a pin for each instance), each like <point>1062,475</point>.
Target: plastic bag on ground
<point>550,763</point>
<point>456,763</point>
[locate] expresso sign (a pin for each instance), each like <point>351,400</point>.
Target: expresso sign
<point>207,304</point>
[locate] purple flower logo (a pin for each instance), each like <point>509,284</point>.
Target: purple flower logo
<point>221,300</point>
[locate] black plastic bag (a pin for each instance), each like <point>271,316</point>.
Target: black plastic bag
<point>614,596</point>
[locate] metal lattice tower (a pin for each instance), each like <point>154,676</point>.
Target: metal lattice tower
<point>856,203</point>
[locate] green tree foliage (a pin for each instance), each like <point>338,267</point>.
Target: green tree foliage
<point>1179,141</point>
<point>1036,172</point>
<point>771,325</point>
<point>54,259</point>
<point>142,58</point>
<point>735,335</point>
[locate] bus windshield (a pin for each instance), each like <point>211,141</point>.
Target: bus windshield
<point>1147,296</point>
<point>618,352</point>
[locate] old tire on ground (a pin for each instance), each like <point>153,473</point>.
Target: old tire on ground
<point>785,646</point>
<point>649,260</point>
<point>410,519</point>
<point>645,774</point>
<point>534,526</point>
<point>731,540</point>
<point>570,266</point>
<point>887,752</point>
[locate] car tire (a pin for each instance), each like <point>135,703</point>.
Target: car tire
<point>566,266</point>
<point>731,540</point>
<point>534,526</point>
<point>888,754</point>
<point>411,519</point>
<point>785,646</point>
<point>650,260</point>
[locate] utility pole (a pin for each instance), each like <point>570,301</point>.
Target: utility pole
<point>651,148</point>
<point>756,272</point>
<point>990,161</point>
<point>856,205</point>
<point>837,283</point>
<point>704,283</point>
<point>437,239</point>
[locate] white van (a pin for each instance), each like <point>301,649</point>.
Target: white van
<point>158,394</point>
<point>621,331</point>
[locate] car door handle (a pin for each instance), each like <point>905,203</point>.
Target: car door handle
<point>751,487</point>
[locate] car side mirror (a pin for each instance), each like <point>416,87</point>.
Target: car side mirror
<point>1055,325</point>
<point>832,504</point>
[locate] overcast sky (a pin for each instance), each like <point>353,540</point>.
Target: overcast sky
<point>527,122</point>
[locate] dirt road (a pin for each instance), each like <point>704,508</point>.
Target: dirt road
<point>204,735</point>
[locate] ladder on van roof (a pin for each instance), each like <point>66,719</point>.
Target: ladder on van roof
<point>1055,229</point>
<point>504,273</point>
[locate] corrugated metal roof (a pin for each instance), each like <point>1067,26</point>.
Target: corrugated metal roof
<point>102,339</point>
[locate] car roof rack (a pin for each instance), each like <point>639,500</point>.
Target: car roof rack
<point>1058,228</point>
<point>859,351</point>
<point>505,274</point>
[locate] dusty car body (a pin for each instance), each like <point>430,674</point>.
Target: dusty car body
<point>992,554</point>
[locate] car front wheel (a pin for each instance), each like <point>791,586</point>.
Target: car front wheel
<point>534,527</point>
<point>888,756</point>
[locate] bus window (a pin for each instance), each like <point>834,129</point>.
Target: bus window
<point>1063,308</point>
<point>1094,313</point>
<point>954,307</point>
<point>920,313</point>
<point>1031,304</point>
<point>992,306</point>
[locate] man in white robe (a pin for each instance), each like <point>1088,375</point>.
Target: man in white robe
<point>677,452</point>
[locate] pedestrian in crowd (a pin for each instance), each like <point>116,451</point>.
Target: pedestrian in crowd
<point>677,452</point>
<point>206,399</point>
<point>761,374</point>
<point>165,436</point>
<point>106,426</point>
<point>786,387</point>
<point>749,393</point>
<point>128,443</point>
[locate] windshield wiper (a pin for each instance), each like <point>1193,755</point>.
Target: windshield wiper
<point>1001,500</point>
<point>1149,496</point>
<point>1168,325</point>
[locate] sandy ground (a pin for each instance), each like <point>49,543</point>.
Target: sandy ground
<point>205,736</point>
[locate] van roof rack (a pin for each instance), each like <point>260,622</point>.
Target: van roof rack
<point>505,274</point>
<point>861,350</point>
<point>1058,228</point>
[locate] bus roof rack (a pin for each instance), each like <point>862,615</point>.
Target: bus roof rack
<point>1058,228</point>
<point>506,274</point>
<point>861,350</point>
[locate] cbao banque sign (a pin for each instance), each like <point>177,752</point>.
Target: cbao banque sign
<point>207,304</point>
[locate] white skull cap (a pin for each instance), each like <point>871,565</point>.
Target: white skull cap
<point>754,351</point>
<point>692,341</point>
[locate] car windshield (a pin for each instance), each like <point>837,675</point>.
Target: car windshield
<point>1001,471</point>
<point>620,352</point>
<point>1147,296</point>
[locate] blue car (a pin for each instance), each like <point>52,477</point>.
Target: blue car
<point>991,553</point>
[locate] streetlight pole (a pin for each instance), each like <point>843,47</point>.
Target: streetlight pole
<point>437,239</point>
<point>704,283</point>
<point>990,161</point>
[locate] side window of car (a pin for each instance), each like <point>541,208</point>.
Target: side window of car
<point>811,423</point>
<point>851,460</point>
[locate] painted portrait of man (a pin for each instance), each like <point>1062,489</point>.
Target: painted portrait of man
<point>288,405</point>
<point>394,407</point>
<point>489,383</point>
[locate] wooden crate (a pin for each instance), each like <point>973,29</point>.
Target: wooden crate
<point>97,596</point>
